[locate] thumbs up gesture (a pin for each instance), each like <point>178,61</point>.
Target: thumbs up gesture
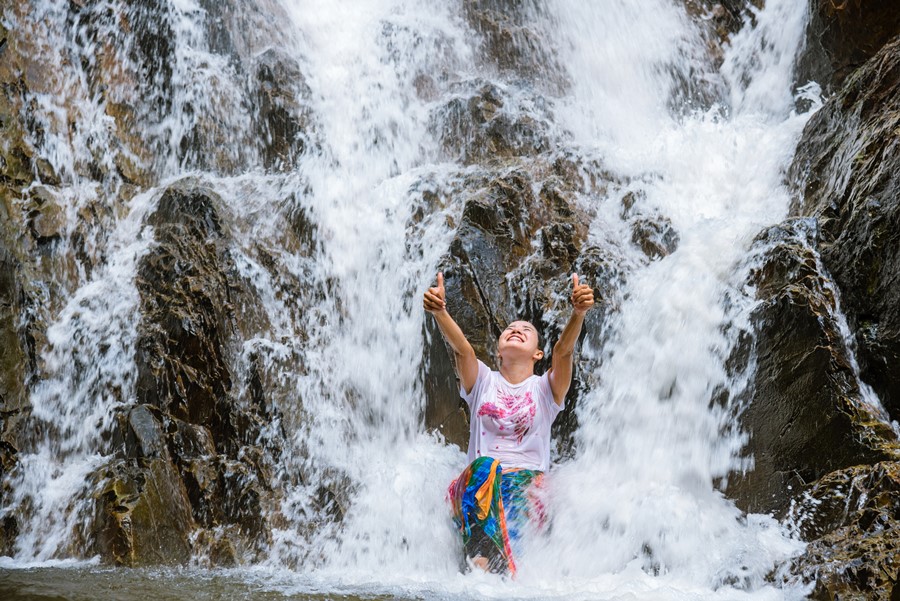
<point>582,296</point>
<point>435,297</point>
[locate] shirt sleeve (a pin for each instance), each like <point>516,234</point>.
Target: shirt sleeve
<point>547,395</point>
<point>483,373</point>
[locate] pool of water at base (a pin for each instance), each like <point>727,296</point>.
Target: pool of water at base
<point>145,584</point>
<point>85,582</point>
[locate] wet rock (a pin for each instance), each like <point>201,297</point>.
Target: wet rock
<point>847,174</point>
<point>240,30</point>
<point>725,18</point>
<point>185,306</point>
<point>193,451</point>
<point>282,116</point>
<point>486,124</point>
<point>445,411</point>
<point>716,22</point>
<point>153,54</point>
<point>851,519</point>
<point>17,328</point>
<point>841,36</point>
<point>192,413</point>
<point>806,415</point>
<point>46,217</point>
<point>513,42</point>
<point>655,237</point>
<point>143,515</point>
<point>144,437</point>
<point>13,364</point>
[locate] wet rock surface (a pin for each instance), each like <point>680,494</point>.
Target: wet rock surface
<point>807,415</point>
<point>20,331</point>
<point>486,124</point>
<point>190,447</point>
<point>514,44</point>
<point>851,518</point>
<point>841,36</point>
<point>143,515</point>
<point>848,166</point>
<point>840,481</point>
<point>282,119</point>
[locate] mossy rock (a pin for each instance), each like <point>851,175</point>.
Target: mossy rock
<point>852,519</point>
<point>143,515</point>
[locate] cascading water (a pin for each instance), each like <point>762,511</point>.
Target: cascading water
<point>636,514</point>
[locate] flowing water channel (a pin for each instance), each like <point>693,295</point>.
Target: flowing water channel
<point>638,510</point>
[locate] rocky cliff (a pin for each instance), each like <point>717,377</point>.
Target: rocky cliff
<point>824,394</point>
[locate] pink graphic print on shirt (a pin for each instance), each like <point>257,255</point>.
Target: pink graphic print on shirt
<point>517,409</point>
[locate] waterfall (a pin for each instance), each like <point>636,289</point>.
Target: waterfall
<point>651,439</point>
<point>359,483</point>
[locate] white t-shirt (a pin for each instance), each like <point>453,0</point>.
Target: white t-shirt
<point>511,422</point>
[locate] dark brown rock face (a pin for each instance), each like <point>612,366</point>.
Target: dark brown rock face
<point>191,455</point>
<point>807,417</point>
<point>842,35</point>
<point>184,290</point>
<point>282,121</point>
<point>848,166</point>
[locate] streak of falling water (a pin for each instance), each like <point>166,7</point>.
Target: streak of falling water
<point>362,400</point>
<point>651,441</point>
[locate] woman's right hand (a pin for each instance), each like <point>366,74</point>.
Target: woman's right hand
<point>435,297</point>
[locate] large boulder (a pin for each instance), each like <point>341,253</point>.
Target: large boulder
<point>847,170</point>
<point>845,177</point>
<point>807,414</point>
<point>841,36</point>
<point>182,368</point>
<point>190,437</point>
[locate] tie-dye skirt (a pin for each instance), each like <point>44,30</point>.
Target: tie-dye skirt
<point>492,507</point>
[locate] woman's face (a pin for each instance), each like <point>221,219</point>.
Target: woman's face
<point>519,338</point>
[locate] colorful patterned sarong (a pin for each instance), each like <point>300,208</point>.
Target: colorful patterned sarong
<point>491,503</point>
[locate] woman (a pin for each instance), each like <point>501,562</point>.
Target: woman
<point>509,432</point>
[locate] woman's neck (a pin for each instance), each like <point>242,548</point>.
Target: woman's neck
<point>516,372</point>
